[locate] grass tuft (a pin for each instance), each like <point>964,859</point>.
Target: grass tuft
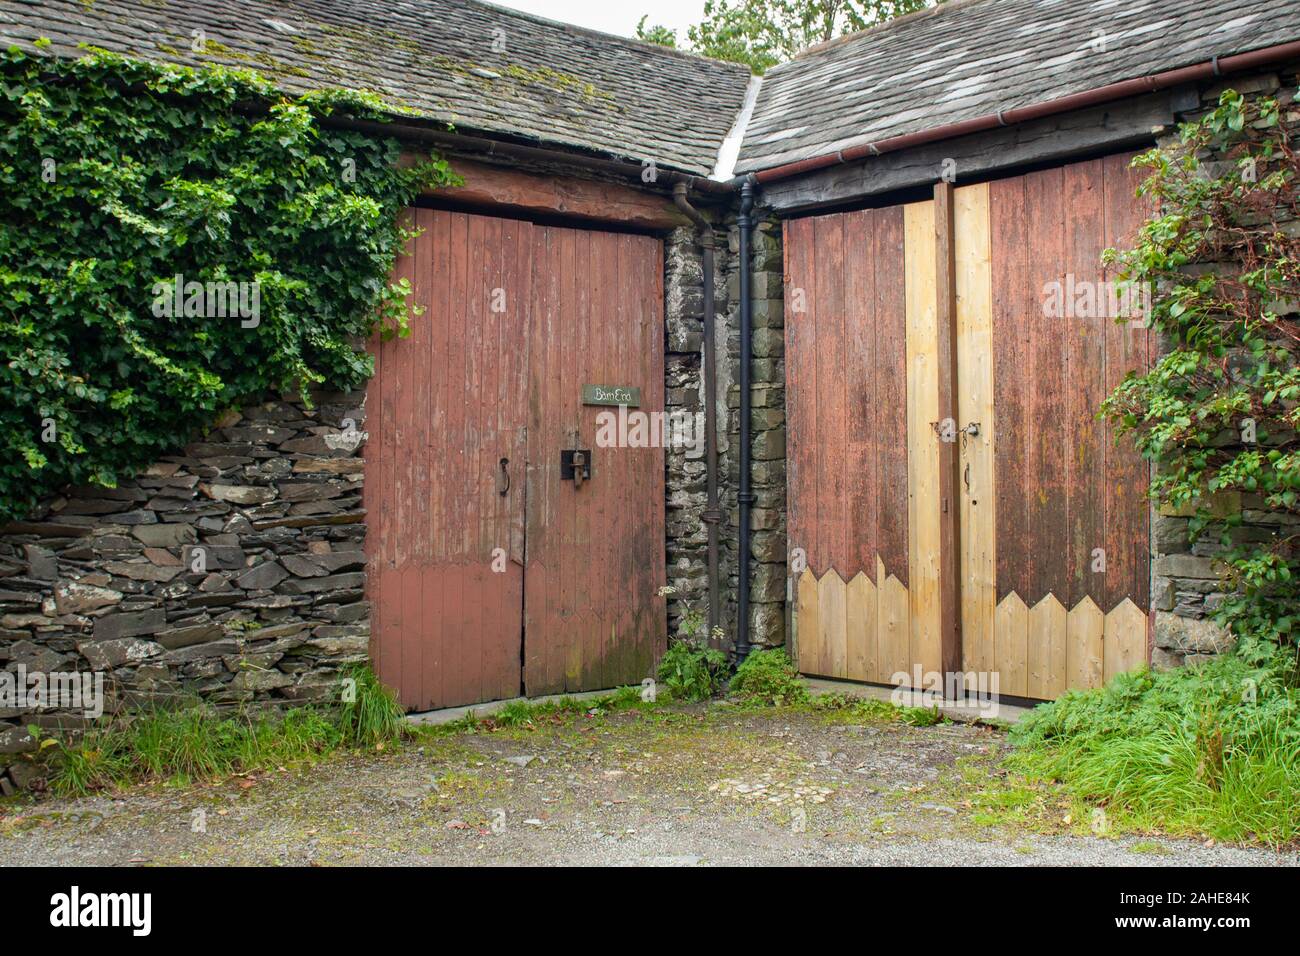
<point>184,744</point>
<point>1209,749</point>
<point>370,715</point>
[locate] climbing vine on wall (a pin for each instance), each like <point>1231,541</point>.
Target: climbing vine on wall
<point>173,242</point>
<point>1219,411</point>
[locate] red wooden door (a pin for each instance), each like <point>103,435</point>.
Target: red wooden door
<point>467,418</point>
<point>593,614</point>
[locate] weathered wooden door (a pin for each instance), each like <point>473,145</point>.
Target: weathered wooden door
<point>958,505</point>
<point>593,613</point>
<point>470,521</point>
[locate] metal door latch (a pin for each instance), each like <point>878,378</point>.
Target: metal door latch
<point>575,465</point>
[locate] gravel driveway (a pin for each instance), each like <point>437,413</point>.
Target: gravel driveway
<point>663,786</point>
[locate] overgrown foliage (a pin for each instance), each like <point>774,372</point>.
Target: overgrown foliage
<point>117,176</point>
<point>1207,749</point>
<point>763,33</point>
<point>768,677</point>
<point>1218,413</point>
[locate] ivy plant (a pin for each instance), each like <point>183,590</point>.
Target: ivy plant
<point>1218,413</point>
<point>133,197</point>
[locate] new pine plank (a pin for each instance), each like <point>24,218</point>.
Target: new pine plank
<point>923,515</point>
<point>1124,639</point>
<point>975,404</point>
<point>894,627</point>
<point>860,626</point>
<point>1046,649</point>
<point>809,627</point>
<point>832,618</point>
<point>1084,646</point>
<point>1011,629</point>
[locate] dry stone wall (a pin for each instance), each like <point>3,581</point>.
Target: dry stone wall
<point>233,571</point>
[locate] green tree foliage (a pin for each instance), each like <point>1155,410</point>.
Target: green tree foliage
<point>1218,413</point>
<point>762,33</point>
<point>659,35</point>
<point>117,175</point>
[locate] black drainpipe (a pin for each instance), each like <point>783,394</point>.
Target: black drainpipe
<point>712,515</point>
<point>745,497</point>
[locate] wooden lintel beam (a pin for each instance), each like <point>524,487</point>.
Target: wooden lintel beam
<point>530,193</point>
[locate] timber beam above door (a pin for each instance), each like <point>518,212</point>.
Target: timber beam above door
<point>502,190</point>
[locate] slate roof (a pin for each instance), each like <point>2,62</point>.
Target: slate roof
<point>970,58</point>
<point>554,83</point>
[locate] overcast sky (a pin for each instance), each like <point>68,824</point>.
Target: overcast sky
<point>614,16</point>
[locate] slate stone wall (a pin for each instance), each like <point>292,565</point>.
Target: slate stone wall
<point>687,551</point>
<point>233,571</point>
<point>767,585</point>
<point>1186,580</point>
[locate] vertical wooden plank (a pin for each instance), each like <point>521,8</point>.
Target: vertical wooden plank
<point>891,403</point>
<point>975,405</point>
<point>622,643</point>
<point>1013,382</point>
<point>1011,651</point>
<point>574,268</point>
<point>1084,647</point>
<point>808,623</point>
<point>832,615</point>
<point>1046,649</point>
<point>1124,639</point>
<point>860,452</point>
<point>949,462</point>
<point>829,235</point>
<point>894,625</point>
<point>1127,474</point>
<point>923,512</point>
<point>405,442</point>
<point>1047,512</point>
<point>1085,336</point>
<point>607,326</point>
<point>538,569</point>
<point>421,344</point>
<point>860,618</point>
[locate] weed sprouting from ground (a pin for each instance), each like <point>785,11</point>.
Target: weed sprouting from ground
<point>692,672</point>
<point>846,708</point>
<point>528,714</point>
<point>768,678</point>
<point>370,715</point>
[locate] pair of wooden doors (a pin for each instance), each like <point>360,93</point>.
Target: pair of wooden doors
<point>955,504</point>
<point>492,573</point>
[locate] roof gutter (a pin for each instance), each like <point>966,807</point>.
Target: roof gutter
<point>1216,66</point>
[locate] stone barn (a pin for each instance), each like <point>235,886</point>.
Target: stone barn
<point>775,342</point>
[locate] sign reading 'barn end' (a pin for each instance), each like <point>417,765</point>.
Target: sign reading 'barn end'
<point>611,395</point>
